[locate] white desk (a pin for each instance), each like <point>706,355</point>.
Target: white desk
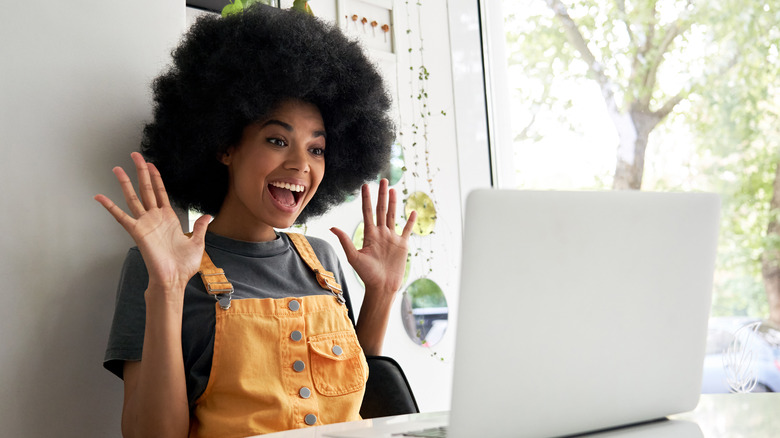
<point>717,416</point>
<point>737,415</point>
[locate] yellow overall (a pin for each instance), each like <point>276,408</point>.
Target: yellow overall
<point>280,364</point>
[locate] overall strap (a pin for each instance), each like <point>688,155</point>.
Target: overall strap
<point>325,278</point>
<point>215,280</point>
<point>213,277</point>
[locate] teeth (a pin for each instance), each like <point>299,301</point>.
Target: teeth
<point>288,186</point>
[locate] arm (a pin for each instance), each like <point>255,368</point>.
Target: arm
<point>155,399</point>
<point>372,322</point>
<point>380,263</point>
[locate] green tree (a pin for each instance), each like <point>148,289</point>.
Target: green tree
<point>737,120</point>
<point>649,58</point>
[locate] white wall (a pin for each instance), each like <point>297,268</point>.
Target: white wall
<point>74,81</point>
<point>74,93</point>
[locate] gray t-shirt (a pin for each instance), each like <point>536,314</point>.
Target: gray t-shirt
<point>257,270</point>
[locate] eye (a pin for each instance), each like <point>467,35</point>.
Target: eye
<point>276,141</point>
<point>317,151</point>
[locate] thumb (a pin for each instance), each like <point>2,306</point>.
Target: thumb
<point>346,243</point>
<point>200,226</point>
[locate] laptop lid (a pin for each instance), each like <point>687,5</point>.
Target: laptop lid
<point>580,311</point>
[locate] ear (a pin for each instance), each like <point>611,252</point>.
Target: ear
<point>226,157</point>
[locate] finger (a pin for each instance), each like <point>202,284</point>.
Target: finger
<point>145,188</point>
<point>368,214</point>
<point>391,206</point>
<point>346,243</point>
<point>199,228</point>
<point>409,225</point>
<point>123,218</point>
<point>159,188</point>
<point>381,204</point>
<point>133,203</point>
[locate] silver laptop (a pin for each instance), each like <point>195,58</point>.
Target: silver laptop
<point>579,311</point>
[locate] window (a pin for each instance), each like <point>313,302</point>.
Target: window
<point>664,95</point>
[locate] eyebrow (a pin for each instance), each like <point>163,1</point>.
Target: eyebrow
<point>289,128</point>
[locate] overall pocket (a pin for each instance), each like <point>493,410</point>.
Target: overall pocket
<point>338,365</point>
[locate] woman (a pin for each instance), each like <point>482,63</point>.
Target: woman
<point>265,118</point>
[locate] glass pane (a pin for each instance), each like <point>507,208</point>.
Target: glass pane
<point>424,312</point>
<point>662,96</point>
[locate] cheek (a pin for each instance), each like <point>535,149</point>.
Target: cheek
<point>316,180</point>
<point>318,171</point>
<point>249,177</point>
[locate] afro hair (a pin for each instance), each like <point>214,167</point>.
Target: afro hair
<point>230,72</point>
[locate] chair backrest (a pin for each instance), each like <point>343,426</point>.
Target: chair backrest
<point>387,390</point>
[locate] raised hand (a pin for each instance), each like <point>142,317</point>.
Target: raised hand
<point>171,257</point>
<point>382,260</point>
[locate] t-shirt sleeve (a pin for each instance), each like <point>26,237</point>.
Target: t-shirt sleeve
<point>330,261</point>
<point>126,338</point>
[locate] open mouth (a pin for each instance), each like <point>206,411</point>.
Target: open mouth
<point>286,194</point>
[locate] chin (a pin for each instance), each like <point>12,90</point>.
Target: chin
<point>283,223</point>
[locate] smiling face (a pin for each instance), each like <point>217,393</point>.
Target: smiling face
<point>274,172</point>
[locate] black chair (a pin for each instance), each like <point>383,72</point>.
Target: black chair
<point>387,390</point>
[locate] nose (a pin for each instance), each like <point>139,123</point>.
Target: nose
<point>297,158</point>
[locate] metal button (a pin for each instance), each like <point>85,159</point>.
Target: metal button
<point>296,336</point>
<point>337,350</point>
<point>305,392</point>
<point>299,366</point>
<point>294,305</point>
<point>310,419</point>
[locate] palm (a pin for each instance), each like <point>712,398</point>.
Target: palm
<point>167,252</point>
<point>382,260</point>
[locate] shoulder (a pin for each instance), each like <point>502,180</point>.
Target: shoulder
<point>320,245</point>
<point>134,268</point>
<point>134,258</point>
<point>324,251</point>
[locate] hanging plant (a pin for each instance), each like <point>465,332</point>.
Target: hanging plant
<point>395,167</point>
<point>238,6</point>
<point>303,6</point>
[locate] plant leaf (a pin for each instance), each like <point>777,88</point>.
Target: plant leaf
<point>235,7</point>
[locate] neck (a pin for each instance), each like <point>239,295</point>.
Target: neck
<point>236,230</point>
